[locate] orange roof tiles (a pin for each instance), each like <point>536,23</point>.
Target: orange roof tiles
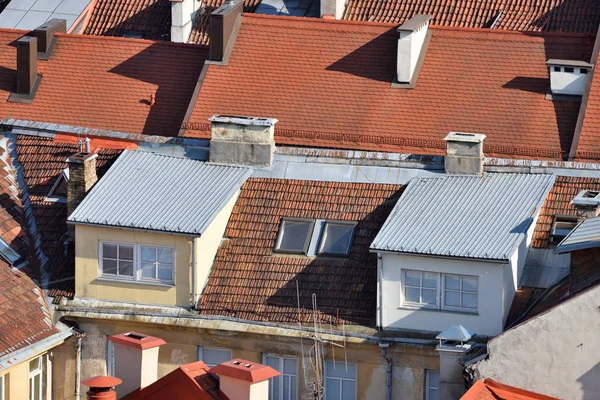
<point>582,16</point>
<point>106,83</point>
<point>250,282</point>
<point>114,17</point>
<point>329,85</point>
<point>491,390</point>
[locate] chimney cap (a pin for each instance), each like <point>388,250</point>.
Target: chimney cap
<point>26,39</point>
<point>243,120</point>
<point>465,137</point>
<point>568,63</point>
<point>102,381</point>
<point>81,158</point>
<point>227,6</point>
<point>245,370</point>
<point>415,23</point>
<point>137,340</point>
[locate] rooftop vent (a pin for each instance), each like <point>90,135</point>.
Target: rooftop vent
<point>567,77</point>
<point>589,198</point>
<point>411,44</point>
<point>464,153</point>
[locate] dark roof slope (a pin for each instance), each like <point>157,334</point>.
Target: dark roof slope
<point>575,16</point>
<point>587,145</point>
<point>249,281</point>
<point>329,85</point>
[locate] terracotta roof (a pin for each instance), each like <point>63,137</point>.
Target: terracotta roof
<point>24,315</point>
<point>201,26</point>
<point>490,390</point>
<point>106,83</point>
<point>329,85</point>
<point>558,203</point>
<point>250,282</point>
<point>582,16</point>
<point>114,17</point>
<point>43,160</point>
<point>245,370</point>
<point>587,145</point>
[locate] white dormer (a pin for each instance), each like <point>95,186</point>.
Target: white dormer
<point>412,35</point>
<point>568,77</point>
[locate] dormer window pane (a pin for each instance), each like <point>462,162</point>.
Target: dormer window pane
<point>562,226</point>
<point>337,238</point>
<point>294,236</point>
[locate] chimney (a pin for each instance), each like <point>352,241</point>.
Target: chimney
<point>136,360</point>
<point>411,41</point>
<point>222,23</point>
<point>45,36</point>
<point>244,380</point>
<point>183,15</point>
<point>242,140</point>
<point>454,344</point>
<point>568,77</point>
<point>101,387</point>
<point>333,9</point>
<point>464,153</point>
<point>28,79</point>
<point>82,176</point>
<point>587,204</point>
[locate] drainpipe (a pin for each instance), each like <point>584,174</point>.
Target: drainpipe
<point>379,292</point>
<point>384,346</point>
<point>79,337</point>
<point>194,272</point>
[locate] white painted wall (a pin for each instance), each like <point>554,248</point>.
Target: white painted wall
<point>335,7</point>
<point>494,291</point>
<point>571,83</point>
<point>410,45</point>
<point>556,353</point>
<point>183,15</point>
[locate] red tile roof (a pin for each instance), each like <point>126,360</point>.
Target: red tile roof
<point>24,315</point>
<point>329,85</point>
<point>114,17</point>
<point>587,145</point>
<point>490,390</point>
<point>558,203</point>
<point>581,16</point>
<point>106,83</point>
<point>250,282</point>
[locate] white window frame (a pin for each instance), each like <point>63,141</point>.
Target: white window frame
<point>352,224</point>
<point>3,387</point>
<point>137,265</point>
<point>51,197</point>
<point>32,375</point>
<point>427,385</point>
<point>441,292</point>
<point>200,353</point>
<point>326,378</point>
<point>460,292</point>
<point>280,395</point>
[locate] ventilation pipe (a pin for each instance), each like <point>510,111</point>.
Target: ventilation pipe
<point>464,153</point>
<point>102,387</point>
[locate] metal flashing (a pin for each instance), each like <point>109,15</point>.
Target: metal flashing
<point>586,235</point>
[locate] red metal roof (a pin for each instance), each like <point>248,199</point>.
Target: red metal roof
<point>582,16</point>
<point>490,390</point>
<point>329,85</point>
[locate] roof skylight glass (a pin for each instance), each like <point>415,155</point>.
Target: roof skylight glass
<point>337,238</point>
<point>294,236</point>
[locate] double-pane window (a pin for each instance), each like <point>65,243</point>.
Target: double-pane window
<point>432,383</point>
<point>35,379</point>
<point>340,380</point>
<point>213,357</point>
<point>117,259</point>
<point>337,237</point>
<point>439,290</point>
<point>284,386</point>
<point>157,262</point>
<point>137,262</point>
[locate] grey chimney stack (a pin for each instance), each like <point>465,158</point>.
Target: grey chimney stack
<point>45,36</point>
<point>464,153</point>
<point>26,65</point>
<point>222,23</point>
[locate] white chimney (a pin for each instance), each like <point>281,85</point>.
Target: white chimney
<point>244,380</point>
<point>333,8</point>
<point>410,45</point>
<point>183,15</point>
<point>464,153</point>
<point>136,360</point>
<point>568,77</point>
<point>454,344</point>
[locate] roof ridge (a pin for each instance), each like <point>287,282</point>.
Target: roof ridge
<point>509,32</point>
<point>318,20</point>
<point>78,36</point>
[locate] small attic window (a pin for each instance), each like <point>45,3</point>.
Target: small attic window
<point>337,238</point>
<point>583,71</point>
<point>9,254</point>
<point>294,236</point>
<point>133,34</point>
<point>569,69</point>
<point>58,192</point>
<point>562,226</point>
<point>557,69</point>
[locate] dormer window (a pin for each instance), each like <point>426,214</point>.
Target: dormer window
<point>562,226</point>
<point>58,192</point>
<point>567,77</point>
<point>337,238</point>
<point>294,236</point>
<point>133,34</point>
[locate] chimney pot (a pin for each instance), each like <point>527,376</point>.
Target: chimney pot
<point>464,153</point>
<point>101,387</point>
<point>27,75</point>
<point>46,38</point>
<point>222,23</point>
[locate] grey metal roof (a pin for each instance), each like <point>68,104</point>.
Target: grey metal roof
<point>145,190</point>
<point>482,217</point>
<point>29,14</point>
<point>586,235</point>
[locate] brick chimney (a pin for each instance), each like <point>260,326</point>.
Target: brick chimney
<point>46,38</point>
<point>587,204</point>
<point>222,24</point>
<point>136,360</point>
<point>464,153</point>
<point>101,387</point>
<point>82,176</point>
<point>244,380</point>
<point>411,43</point>
<point>242,140</point>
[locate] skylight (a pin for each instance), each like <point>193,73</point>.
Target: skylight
<point>294,236</point>
<point>337,238</point>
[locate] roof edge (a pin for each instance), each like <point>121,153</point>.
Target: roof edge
<point>80,36</point>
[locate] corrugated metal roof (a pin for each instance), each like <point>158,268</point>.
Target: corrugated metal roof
<point>145,190</point>
<point>586,235</point>
<point>464,216</point>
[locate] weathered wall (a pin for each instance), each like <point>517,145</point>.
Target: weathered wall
<point>409,362</point>
<point>17,379</point>
<point>63,371</point>
<point>556,353</point>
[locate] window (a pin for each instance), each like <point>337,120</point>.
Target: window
<point>432,384</point>
<point>583,71</point>
<point>557,69</point>
<point>422,289</point>
<point>58,192</point>
<point>562,226</point>
<point>35,379</point>
<point>294,236</point>
<point>569,69</point>
<point>340,380</point>
<point>284,386</point>
<point>137,262</point>
<point>337,237</point>
<point>212,357</point>
<point>133,34</point>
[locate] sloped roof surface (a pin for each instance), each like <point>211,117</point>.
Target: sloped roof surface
<point>585,235</point>
<point>156,192</point>
<point>329,85</point>
<point>558,202</point>
<point>588,142</point>
<point>114,17</point>
<point>490,390</point>
<point>106,83</point>
<point>200,30</point>
<point>581,16</point>
<point>464,216</point>
<point>249,281</point>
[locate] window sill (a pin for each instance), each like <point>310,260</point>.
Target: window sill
<point>441,310</point>
<point>148,283</point>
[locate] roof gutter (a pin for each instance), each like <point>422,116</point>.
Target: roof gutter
<point>404,253</point>
<point>134,229</point>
